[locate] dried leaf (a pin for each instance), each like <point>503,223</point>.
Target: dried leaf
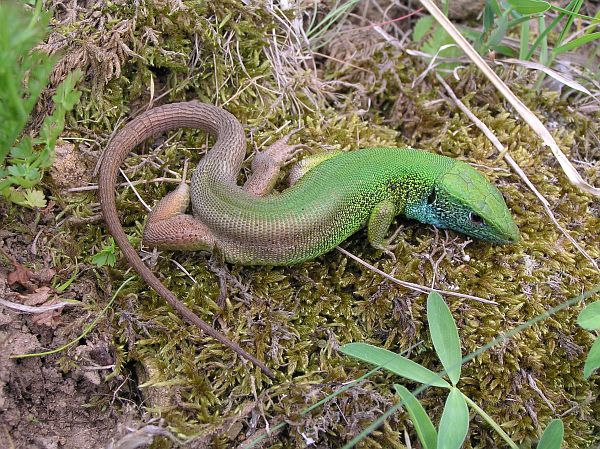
<point>21,276</point>
<point>42,297</point>
<point>39,296</point>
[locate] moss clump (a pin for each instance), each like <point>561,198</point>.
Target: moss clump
<point>296,317</point>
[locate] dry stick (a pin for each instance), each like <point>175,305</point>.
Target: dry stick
<point>410,285</point>
<point>515,167</point>
<point>39,309</point>
<point>522,110</point>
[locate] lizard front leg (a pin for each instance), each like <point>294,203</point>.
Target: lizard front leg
<point>379,223</point>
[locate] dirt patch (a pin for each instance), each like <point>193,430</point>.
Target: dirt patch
<point>70,167</point>
<point>61,400</point>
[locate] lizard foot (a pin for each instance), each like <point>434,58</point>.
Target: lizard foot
<point>268,163</point>
<point>280,153</point>
<point>388,249</point>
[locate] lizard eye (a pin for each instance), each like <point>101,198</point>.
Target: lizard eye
<point>476,219</point>
<point>431,197</point>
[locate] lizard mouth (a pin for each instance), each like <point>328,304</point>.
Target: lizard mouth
<point>507,235</point>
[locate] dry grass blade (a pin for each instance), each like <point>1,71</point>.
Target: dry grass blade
<point>123,184</point>
<point>523,110</point>
<point>36,309</point>
<point>560,77</point>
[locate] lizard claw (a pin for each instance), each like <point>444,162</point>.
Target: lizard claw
<point>388,249</point>
<point>280,152</point>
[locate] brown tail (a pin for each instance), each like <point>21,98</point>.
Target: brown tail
<point>148,124</point>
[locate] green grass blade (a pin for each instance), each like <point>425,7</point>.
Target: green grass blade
<point>592,363</point>
<point>393,362</point>
<point>524,43</point>
<point>542,36</point>
<point>444,334</point>
<point>334,15</point>
<point>572,8</point>
<point>596,19</point>
<point>495,6</point>
<point>85,332</point>
<point>529,6</point>
<point>493,424</point>
<point>589,318</point>
<point>575,15</point>
<point>576,43</point>
<point>454,424</point>
<point>488,17</point>
<point>423,425</point>
<point>499,31</point>
<point>544,43</point>
<point>553,435</point>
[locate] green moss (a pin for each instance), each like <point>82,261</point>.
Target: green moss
<point>295,318</point>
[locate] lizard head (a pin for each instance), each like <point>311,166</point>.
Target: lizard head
<point>465,201</point>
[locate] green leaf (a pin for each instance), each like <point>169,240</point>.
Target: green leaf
<point>34,198</point>
<point>64,99</point>
<point>499,31</point>
<point>505,50</point>
<point>23,150</point>
<point>488,17</point>
<point>40,65</point>
<point>592,363</point>
<point>553,435</point>
<point>51,128</point>
<point>33,174</point>
<point>422,27</point>
<point>529,6</point>
<point>393,362</point>
<point>45,158</point>
<point>24,175</point>
<point>106,256</point>
<point>454,423</point>
<point>19,170</point>
<point>444,335</point>
<point>495,6</point>
<point>23,70</point>
<point>66,95</point>
<point>576,43</point>
<point>423,425</point>
<point>14,195</point>
<point>589,318</point>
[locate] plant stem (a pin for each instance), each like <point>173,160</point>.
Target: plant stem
<point>491,422</point>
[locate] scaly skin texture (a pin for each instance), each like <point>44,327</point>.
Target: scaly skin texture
<point>332,199</point>
<point>338,197</point>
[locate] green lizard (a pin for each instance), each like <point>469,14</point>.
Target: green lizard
<point>335,195</point>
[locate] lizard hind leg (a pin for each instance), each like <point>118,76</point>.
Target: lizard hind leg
<point>169,227</point>
<point>268,163</point>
